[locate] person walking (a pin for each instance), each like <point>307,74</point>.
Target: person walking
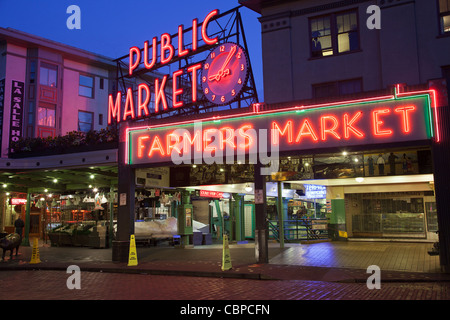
<point>19,225</point>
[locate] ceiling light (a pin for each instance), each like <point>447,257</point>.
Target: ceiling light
<point>4,185</point>
<point>55,180</point>
<point>359,179</point>
<point>248,188</point>
<point>92,176</point>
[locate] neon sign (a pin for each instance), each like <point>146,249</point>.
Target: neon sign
<point>211,194</point>
<point>390,119</point>
<point>166,53</point>
<point>313,191</point>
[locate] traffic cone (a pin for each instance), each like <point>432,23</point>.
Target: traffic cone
<point>35,258</point>
<point>132,256</point>
<point>226,259</point>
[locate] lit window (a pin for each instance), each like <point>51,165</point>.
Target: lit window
<point>48,75</point>
<point>444,15</point>
<point>46,117</point>
<point>333,34</point>
<point>85,121</point>
<point>86,87</point>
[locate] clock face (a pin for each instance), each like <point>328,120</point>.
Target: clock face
<point>224,73</point>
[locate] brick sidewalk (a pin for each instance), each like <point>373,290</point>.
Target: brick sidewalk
<point>310,263</point>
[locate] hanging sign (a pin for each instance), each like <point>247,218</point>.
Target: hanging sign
<point>15,126</point>
<point>362,122</point>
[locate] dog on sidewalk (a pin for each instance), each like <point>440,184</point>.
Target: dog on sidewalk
<point>10,242</point>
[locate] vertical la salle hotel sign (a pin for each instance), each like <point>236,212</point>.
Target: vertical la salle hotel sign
<point>15,126</point>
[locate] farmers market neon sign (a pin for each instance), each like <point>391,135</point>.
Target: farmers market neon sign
<point>389,119</point>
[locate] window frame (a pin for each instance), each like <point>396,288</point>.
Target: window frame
<point>81,85</point>
<point>440,18</point>
<point>46,107</point>
<point>334,33</point>
<point>336,84</point>
<point>49,67</point>
<point>92,120</point>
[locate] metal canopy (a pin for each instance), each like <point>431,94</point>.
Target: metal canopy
<point>68,180</point>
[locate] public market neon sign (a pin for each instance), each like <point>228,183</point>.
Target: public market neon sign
<point>389,119</point>
<point>149,56</point>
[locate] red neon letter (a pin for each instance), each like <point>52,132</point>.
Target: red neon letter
<point>114,108</point>
<point>287,129</point>
<point>160,94</point>
<point>156,146</point>
<point>197,139</point>
<point>377,123</point>
<point>207,139</point>
<point>141,145</point>
<point>309,132</point>
<point>194,34</point>
<point>129,105</point>
<point>229,139</point>
<point>171,146</point>
<point>324,131</point>
<point>205,26</point>
<point>154,45</point>
<point>181,51</point>
<point>194,69</point>
<point>405,117</point>
<point>135,64</point>
<point>143,105</point>
<point>166,45</point>
<point>242,133</point>
<point>175,90</point>
<point>348,126</point>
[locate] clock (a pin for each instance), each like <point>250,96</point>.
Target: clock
<point>224,73</point>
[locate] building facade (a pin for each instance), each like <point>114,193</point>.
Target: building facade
<point>49,90</point>
<point>327,51</point>
<point>64,88</point>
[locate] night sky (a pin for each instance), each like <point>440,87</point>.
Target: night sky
<point>110,28</point>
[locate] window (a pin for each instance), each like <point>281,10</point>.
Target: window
<point>334,34</point>
<point>337,88</point>
<point>46,117</point>
<point>85,121</point>
<point>86,87</point>
<point>48,75</point>
<point>444,16</point>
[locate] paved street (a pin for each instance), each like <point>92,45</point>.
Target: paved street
<point>51,285</point>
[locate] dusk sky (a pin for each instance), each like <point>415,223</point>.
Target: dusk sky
<point>111,27</point>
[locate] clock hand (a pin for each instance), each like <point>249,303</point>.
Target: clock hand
<point>230,55</point>
<point>222,72</point>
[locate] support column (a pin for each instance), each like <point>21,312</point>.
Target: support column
<point>125,214</point>
<point>238,214</point>
<point>441,159</point>
<point>261,230</point>
<point>280,213</point>
<point>26,239</point>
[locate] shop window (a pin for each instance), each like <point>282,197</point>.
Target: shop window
<point>399,214</point>
<point>337,88</point>
<point>85,121</point>
<point>48,75</point>
<point>46,117</point>
<point>86,86</point>
<point>444,16</point>
<point>334,34</point>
